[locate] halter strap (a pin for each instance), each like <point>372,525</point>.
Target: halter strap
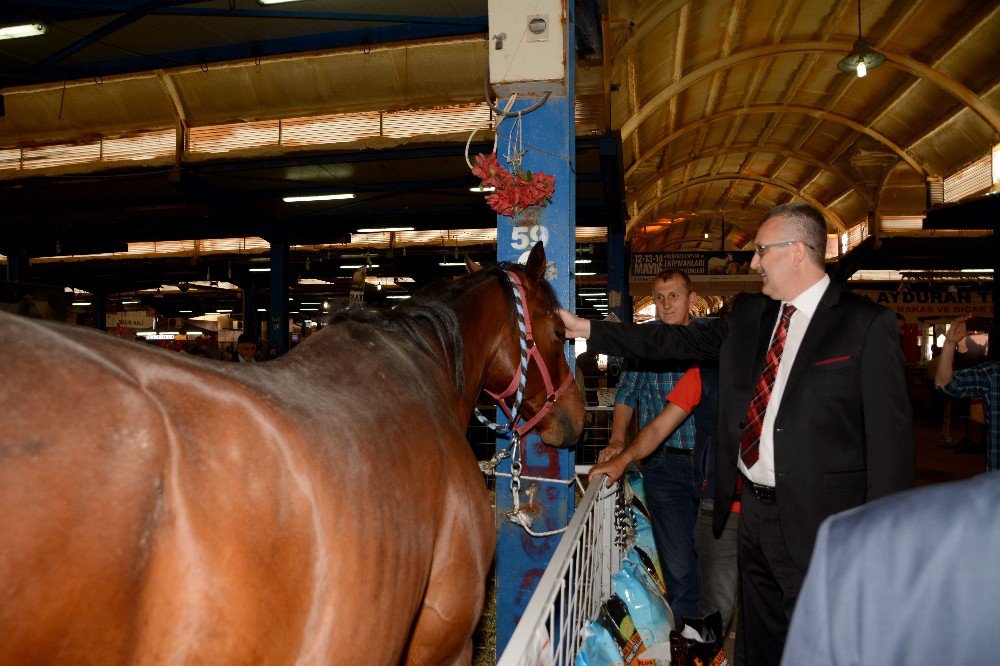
<point>529,351</point>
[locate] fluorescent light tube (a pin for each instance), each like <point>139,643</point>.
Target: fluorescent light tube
<point>318,197</point>
<point>25,30</point>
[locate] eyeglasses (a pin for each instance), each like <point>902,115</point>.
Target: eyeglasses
<point>759,249</point>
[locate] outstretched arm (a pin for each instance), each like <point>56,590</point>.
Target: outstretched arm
<point>619,429</point>
<point>645,443</point>
<point>684,397</point>
<point>946,362</point>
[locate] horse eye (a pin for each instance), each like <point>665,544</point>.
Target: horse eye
<point>561,335</point>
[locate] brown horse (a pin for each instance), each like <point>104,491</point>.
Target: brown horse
<point>321,508</point>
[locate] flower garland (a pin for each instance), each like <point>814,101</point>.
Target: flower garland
<point>513,192</point>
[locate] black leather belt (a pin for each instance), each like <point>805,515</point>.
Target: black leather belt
<point>674,451</point>
<point>765,494</point>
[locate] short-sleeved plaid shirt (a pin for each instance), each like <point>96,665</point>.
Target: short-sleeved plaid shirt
<point>648,385</point>
<point>982,381</point>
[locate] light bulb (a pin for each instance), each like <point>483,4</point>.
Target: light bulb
<point>862,70</point>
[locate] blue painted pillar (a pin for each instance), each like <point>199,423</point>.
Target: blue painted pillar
<point>100,310</point>
<point>549,139</point>
<point>17,263</point>
<point>250,318</point>
<point>612,176</point>
<point>277,324</point>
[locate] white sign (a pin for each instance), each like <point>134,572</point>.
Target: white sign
<point>130,319</point>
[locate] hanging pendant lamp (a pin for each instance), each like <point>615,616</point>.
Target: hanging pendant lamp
<point>862,57</point>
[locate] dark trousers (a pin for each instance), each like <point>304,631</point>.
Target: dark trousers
<point>669,480</point>
<point>770,582</point>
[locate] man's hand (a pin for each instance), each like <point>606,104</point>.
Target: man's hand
<point>614,468</point>
<point>957,329</point>
<point>613,448</point>
<point>575,326</point>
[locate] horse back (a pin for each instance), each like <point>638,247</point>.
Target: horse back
<point>154,505</point>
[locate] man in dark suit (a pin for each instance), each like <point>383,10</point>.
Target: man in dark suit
<point>813,412</point>
<point>909,579</point>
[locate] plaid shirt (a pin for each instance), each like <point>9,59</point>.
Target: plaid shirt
<point>982,381</point>
<point>648,385</point>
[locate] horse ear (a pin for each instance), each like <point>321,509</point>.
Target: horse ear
<point>472,266</point>
<point>535,268</point>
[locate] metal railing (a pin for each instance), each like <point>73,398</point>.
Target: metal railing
<point>573,586</point>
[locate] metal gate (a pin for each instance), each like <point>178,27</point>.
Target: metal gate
<point>573,586</point>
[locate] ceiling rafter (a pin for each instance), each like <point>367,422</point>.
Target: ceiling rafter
<point>647,25</point>
<point>897,97</point>
<point>736,19</point>
<point>779,28</point>
<point>897,25</point>
<point>678,71</point>
<point>782,185</point>
<point>911,65</point>
<point>806,110</point>
<point>804,68</point>
<point>989,91</point>
<point>772,149</point>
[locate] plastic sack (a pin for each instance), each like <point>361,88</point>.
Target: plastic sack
<point>698,642</point>
<point>599,647</point>
<point>644,539</point>
<point>636,484</point>
<point>649,610</point>
<point>644,562</point>
<point>614,616</point>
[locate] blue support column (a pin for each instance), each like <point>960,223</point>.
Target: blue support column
<point>100,310</point>
<point>277,325</point>
<point>250,318</point>
<point>549,139</point>
<point>619,296</point>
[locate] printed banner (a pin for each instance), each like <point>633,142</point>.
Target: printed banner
<point>645,265</point>
<point>130,319</point>
<point>711,273</point>
<point>917,306</point>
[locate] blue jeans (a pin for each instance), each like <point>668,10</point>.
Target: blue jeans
<point>669,479</point>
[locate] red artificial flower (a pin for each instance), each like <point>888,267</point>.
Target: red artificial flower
<point>512,192</point>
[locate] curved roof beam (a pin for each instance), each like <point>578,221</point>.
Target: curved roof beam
<point>778,108</point>
<point>769,149</point>
<point>780,184</point>
<point>990,115</point>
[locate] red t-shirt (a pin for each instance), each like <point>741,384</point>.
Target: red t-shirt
<point>686,393</point>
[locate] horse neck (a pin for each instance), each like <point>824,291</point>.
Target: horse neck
<point>479,319</point>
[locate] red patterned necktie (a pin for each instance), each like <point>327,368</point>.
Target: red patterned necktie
<point>750,439</point>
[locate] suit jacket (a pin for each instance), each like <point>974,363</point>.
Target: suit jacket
<point>843,432</point>
<point>910,579</point>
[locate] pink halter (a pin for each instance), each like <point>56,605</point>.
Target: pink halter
<point>529,352</point>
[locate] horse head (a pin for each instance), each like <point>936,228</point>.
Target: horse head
<point>551,404</point>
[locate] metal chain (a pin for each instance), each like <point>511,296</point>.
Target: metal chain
<point>624,522</point>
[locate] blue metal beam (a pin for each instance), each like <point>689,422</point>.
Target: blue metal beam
<point>479,22</point>
<point>265,48</point>
<point>384,155</point>
<point>132,16</point>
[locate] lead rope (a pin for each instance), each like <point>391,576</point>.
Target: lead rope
<point>523,338</point>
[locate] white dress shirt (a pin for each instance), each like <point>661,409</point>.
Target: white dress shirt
<point>805,306</point>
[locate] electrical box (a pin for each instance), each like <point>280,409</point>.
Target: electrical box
<point>527,46</point>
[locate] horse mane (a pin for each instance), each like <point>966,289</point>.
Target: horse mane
<point>431,307</point>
